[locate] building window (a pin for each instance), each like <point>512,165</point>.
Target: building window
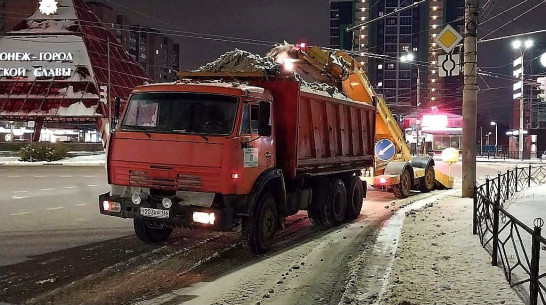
<point>380,84</point>
<point>393,21</point>
<point>380,67</point>
<point>390,66</point>
<point>405,20</point>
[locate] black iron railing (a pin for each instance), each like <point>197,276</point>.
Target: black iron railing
<point>509,241</point>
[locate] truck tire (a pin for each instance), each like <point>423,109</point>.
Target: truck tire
<point>337,201</point>
<point>149,234</point>
<point>314,217</point>
<point>259,229</point>
<point>355,197</point>
<point>329,203</point>
<point>428,181</point>
<point>402,189</point>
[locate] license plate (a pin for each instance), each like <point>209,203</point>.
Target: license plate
<point>155,213</point>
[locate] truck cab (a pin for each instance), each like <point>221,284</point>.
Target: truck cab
<point>186,154</point>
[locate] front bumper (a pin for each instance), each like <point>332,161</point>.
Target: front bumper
<point>179,215</point>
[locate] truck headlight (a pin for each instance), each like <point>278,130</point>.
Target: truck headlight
<point>136,199</point>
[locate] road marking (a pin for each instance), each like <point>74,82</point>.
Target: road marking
<point>70,187</point>
<point>14,176</point>
<point>81,204</point>
<point>92,185</point>
<point>89,176</point>
<point>17,214</point>
<point>80,219</point>
<point>66,176</point>
<point>39,176</point>
<point>53,209</point>
<point>18,197</point>
<point>20,192</point>
<point>49,189</point>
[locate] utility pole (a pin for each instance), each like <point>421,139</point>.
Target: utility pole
<point>470,97</point>
<point>417,122</point>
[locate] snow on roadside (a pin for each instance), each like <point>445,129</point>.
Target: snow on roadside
<point>439,260</point>
<point>86,160</point>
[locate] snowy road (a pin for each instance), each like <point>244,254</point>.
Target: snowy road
<point>307,264</point>
<point>49,208</point>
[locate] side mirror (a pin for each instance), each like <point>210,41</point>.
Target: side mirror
<point>117,106</point>
<point>264,127</point>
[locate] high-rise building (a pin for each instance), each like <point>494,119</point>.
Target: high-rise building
<point>345,14</point>
<point>381,43</point>
<point>444,92</point>
<point>341,17</point>
<point>393,37</point>
<point>154,51</point>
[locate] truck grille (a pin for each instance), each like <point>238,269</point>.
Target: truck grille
<point>182,182</point>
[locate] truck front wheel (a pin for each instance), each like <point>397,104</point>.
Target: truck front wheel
<point>262,225</point>
<point>151,234</point>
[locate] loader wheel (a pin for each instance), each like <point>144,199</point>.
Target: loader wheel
<point>428,181</point>
<point>355,197</point>
<point>149,233</point>
<point>402,190</point>
<point>259,228</point>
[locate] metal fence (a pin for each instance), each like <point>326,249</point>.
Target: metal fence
<point>526,155</point>
<point>509,241</point>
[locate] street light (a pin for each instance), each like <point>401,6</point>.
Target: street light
<point>408,58</point>
<point>522,46</point>
<point>543,59</point>
<point>488,134</point>
<point>496,135</point>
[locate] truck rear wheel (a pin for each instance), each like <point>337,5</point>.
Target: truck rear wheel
<point>262,225</point>
<point>428,181</point>
<point>355,197</point>
<point>151,234</point>
<point>331,204</point>
<point>402,189</point>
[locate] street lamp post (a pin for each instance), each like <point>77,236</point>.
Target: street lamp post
<point>408,58</point>
<point>496,135</point>
<point>488,134</point>
<point>517,44</point>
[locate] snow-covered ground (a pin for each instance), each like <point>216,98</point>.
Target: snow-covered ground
<point>95,159</point>
<point>439,261</point>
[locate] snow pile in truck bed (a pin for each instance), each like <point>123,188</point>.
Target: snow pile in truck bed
<point>239,61</point>
<point>322,89</point>
<point>244,61</point>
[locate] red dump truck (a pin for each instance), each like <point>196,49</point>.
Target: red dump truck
<point>229,156</point>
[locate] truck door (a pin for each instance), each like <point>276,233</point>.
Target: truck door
<point>259,152</point>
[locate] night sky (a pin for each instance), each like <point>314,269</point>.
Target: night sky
<point>308,20</point>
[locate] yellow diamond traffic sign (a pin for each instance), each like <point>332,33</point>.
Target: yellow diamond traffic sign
<point>448,38</point>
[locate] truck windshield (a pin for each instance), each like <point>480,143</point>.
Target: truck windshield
<point>177,112</point>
